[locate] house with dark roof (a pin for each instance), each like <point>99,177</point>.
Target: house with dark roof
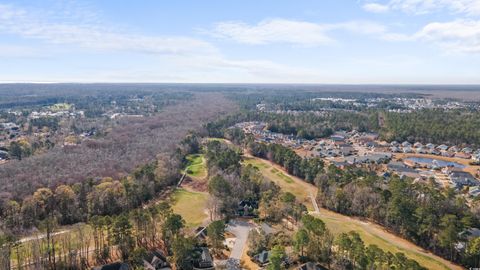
<point>246,208</point>
<point>460,179</point>
<point>430,146</point>
<point>3,154</point>
<point>406,144</point>
<point>263,258</point>
<point>417,145</point>
<point>156,260</point>
<point>395,149</point>
<point>453,149</point>
<point>202,259</point>
<point>311,266</point>
<point>442,147</point>
<point>465,236</point>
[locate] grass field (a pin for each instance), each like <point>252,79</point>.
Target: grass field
<point>191,206</point>
<point>300,189</point>
<point>370,233</point>
<point>196,166</point>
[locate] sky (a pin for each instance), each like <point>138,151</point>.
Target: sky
<point>243,41</point>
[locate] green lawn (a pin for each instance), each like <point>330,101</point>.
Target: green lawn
<point>191,206</point>
<point>196,166</point>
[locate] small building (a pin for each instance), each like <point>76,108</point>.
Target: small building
<point>421,150</point>
<point>466,235</point>
<point>311,266</point>
<point>156,260</point>
<point>406,144</point>
<point>3,155</point>
<point>247,208</point>
<point>442,147</point>
<point>202,259</point>
<point>395,149</point>
<point>346,150</point>
<point>337,138</point>
<point>453,149</point>
<point>263,258</point>
<point>430,146</point>
<point>417,145</point>
<point>448,154</point>
<point>474,191</point>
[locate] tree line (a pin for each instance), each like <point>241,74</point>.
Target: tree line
<point>121,226</point>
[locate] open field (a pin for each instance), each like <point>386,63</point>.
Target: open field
<point>273,173</point>
<point>196,166</point>
<point>370,232</point>
<point>190,205</point>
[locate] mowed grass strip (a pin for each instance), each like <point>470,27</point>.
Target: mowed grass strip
<point>190,205</point>
<point>286,183</point>
<point>196,165</point>
<point>337,223</point>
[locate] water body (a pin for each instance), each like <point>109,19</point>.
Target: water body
<point>435,162</point>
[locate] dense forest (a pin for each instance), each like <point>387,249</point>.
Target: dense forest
<point>458,127</point>
<point>123,222</point>
<point>131,143</point>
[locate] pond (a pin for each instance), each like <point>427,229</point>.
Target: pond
<point>435,162</point>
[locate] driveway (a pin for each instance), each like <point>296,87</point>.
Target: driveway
<point>240,229</point>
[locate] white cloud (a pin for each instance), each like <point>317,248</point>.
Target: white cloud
<point>468,7</point>
<point>360,27</point>
<point>276,30</point>
<point>29,24</point>
<point>457,36</point>
<point>375,7</point>
<point>177,58</point>
<point>290,31</point>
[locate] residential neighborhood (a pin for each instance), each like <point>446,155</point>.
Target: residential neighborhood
<point>448,166</point>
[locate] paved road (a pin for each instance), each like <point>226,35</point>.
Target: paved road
<point>240,229</point>
<point>41,236</point>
